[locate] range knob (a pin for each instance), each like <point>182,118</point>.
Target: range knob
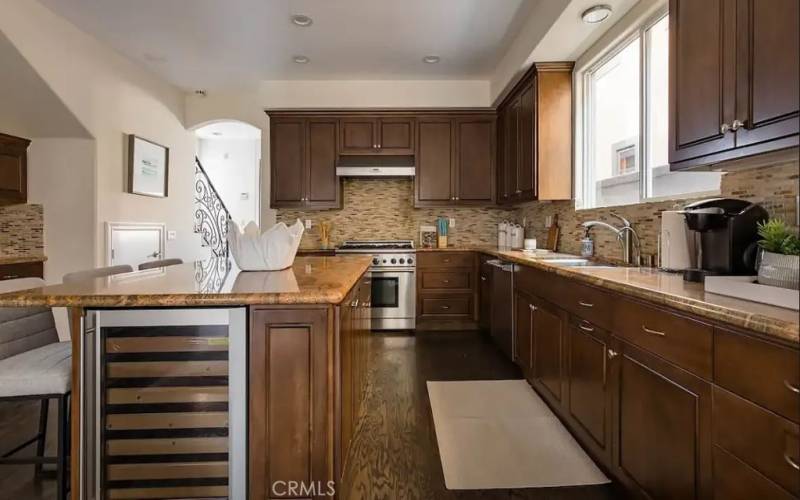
<point>410,260</point>
<point>402,260</point>
<point>394,261</point>
<point>375,261</point>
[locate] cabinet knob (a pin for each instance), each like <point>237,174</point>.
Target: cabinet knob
<point>533,307</point>
<point>612,354</point>
<point>483,278</point>
<point>456,198</point>
<point>736,125</point>
<point>724,128</point>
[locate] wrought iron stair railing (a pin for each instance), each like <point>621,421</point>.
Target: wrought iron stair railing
<point>211,216</point>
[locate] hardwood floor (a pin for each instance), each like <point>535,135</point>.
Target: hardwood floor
<point>394,454</point>
<point>18,422</point>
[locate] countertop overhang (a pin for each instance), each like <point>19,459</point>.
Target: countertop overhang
<point>310,280</point>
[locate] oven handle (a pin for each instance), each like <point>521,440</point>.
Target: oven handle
<point>373,272</point>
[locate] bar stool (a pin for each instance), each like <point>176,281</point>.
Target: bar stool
<point>159,263</point>
<point>34,365</point>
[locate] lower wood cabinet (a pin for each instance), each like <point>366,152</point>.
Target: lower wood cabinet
<point>21,270</point>
<point>523,333</point>
<point>484,294</point>
<point>290,411</point>
<point>447,293</point>
<point>549,329</point>
<point>589,386</point>
<point>662,428</point>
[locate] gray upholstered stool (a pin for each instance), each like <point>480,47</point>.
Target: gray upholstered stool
<point>99,272</point>
<point>159,263</point>
<point>35,365</point>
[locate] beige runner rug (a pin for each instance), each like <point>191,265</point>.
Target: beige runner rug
<point>500,434</point>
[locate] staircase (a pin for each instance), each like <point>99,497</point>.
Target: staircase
<point>211,216</point>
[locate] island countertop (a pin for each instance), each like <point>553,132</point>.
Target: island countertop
<point>310,280</point>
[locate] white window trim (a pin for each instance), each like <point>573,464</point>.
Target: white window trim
<point>584,176</point>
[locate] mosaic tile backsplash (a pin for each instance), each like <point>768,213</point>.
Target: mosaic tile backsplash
<point>21,230</point>
<point>384,208</point>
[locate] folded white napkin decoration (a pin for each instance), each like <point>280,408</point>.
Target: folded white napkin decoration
<point>272,250</point>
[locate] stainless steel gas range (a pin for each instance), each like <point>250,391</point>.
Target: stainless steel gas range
<point>394,281</point>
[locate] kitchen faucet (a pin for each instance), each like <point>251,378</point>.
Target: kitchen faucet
<point>626,235</point>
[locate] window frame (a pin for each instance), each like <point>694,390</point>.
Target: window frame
<point>585,171</point>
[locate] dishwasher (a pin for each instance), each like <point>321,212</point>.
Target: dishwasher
<point>502,315</point>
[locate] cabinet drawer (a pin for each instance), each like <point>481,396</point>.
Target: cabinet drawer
<point>765,441</point>
<point>23,270</point>
<point>450,280</point>
<point>458,305</point>
<point>761,372</point>
<point>445,259</point>
<point>734,480</point>
<point>678,339</point>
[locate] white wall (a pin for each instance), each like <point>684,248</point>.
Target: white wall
<point>233,167</point>
<point>112,96</point>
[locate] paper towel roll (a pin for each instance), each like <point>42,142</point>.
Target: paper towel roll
<point>677,249</point>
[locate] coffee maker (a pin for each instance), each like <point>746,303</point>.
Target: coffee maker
<point>725,233</point>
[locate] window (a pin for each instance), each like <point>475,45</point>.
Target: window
<point>625,99</point>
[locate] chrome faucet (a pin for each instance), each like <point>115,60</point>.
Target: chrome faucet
<point>626,235</point>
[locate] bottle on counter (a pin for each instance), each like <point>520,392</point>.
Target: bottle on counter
<point>587,245</point>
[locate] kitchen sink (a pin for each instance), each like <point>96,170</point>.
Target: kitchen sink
<point>577,262</point>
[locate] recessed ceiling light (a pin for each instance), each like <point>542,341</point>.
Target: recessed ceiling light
<point>302,20</point>
<point>218,134</point>
<point>431,59</point>
<point>596,14</point>
<point>300,59</point>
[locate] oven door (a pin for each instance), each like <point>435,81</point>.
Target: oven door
<point>393,301</point>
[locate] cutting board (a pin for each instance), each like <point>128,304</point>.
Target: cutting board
<point>552,235</point>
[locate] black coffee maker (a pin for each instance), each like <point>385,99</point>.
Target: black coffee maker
<point>725,233</point>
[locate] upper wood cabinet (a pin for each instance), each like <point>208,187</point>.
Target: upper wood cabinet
<point>303,163</point>
<point>13,170</point>
<point>733,79</point>
<point>371,135</point>
<point>455,160</point>
<point>534,159</point>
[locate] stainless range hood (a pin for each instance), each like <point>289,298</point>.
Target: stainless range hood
<point>375,166</point>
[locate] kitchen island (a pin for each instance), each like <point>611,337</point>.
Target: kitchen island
<point>199,380</point>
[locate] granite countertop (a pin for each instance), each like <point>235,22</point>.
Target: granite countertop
<point>668,289</point>
<point>22,260</point>
<point>310,280</point>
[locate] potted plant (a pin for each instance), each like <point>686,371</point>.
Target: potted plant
<point>780,257</point>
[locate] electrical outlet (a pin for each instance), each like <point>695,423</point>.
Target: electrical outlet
<point>452,222</point>
<point>308,223</point>
<point>171,235</point>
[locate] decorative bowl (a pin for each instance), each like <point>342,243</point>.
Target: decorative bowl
<point>272,250</point>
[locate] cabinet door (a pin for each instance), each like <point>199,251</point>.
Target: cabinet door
<point>502,155</point>
<point>768,70</point>
<point>485,284</point>
<point>702,78</point>
<point>13,170</point>
<point>434,183</point>
<point>588,400</point>
<point>548,334</point>
<point>663,427</point>
<point>358,136</point>
<point>526,167</point>
<point>288,418</point>
<point>322,184</point>
<point>396,136</point>
<point>523,332</point>
<point>475,160</point>
<point>513,149</point>
<point>287,165</point>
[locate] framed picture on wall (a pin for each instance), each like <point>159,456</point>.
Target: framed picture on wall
<point>148,167</point>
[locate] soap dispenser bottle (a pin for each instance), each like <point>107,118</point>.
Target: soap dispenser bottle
<point>587,245</point>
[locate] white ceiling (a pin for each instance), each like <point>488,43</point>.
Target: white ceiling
<point>216,43</point>
<point>228,130</point>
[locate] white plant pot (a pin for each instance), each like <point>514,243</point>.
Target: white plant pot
<point>780,270</point>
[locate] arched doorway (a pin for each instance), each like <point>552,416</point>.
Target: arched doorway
<point>230,153</point>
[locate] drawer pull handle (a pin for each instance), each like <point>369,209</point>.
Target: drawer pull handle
<point>354,303</point>
<point>10,276</point>
<point>585,327</point>
<point>612,354</point>
<point>445,307</point>
<point>585,304</point>
<point>445,260</point>
<point>653,332</point>
<point>794,465</point>
<point>445,281</point>
<point>792,388</point>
